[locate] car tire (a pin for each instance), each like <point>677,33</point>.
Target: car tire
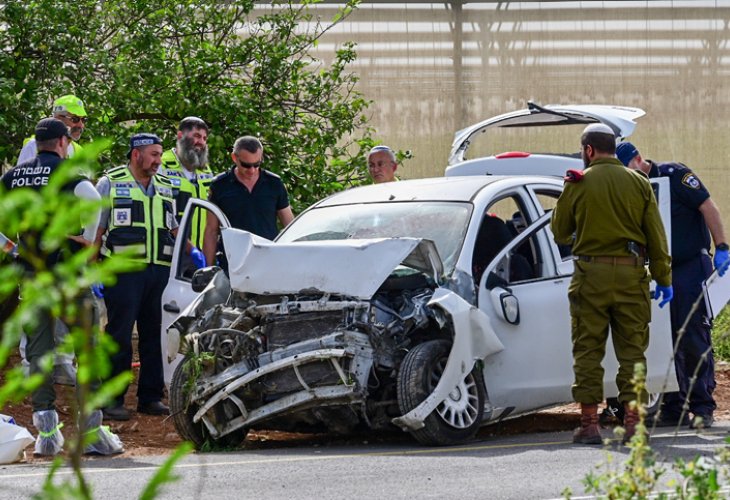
<point>182,412</point>
<point>458,417</point>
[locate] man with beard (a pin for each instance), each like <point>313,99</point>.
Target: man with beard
<point>187,168</point>
<point>611,217</point>
<point>70,110</point>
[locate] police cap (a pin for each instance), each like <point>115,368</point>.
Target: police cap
<point>141,140</point>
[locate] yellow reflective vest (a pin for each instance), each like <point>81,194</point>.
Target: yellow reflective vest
<point>184,189</point>
<point>139,223</point>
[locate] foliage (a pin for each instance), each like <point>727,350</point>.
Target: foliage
<point>46,218</point>
<point>244,67</point>
<point>721,335</point>
<point>164,473</point>
<point>639,475</point>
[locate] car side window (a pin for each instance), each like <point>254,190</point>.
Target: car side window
<point>196,219</point>
<point>500,224</point>
<point>528,258</point>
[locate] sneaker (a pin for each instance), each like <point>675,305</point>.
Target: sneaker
<point>153,408</point>
<point>116,413</point>
<point>702,422</point>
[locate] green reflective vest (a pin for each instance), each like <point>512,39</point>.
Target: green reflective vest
<point>140,223</point>
<point>184,189</point>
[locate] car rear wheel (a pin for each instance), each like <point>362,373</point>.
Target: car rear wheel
<point>182,411</point>
<point>458,417</point>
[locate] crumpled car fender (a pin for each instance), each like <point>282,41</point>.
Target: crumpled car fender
<point>474,339</point>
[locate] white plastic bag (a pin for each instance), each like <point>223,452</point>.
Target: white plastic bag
<point>13,440</point>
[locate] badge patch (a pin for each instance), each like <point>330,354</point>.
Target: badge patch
<point>690,180</point>
<point>176,182</point>
<point>117,185</point>
<point>122,192</point>
<point>122,216</point>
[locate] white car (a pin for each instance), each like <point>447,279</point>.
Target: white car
<point>433,305</point>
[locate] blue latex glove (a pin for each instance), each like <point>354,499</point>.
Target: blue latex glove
<point>665,293</point>
<point>98,290</point>
<point>198,258</point>
<point>721,261</point>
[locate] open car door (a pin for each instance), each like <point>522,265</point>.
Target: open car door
<point>179,293</point>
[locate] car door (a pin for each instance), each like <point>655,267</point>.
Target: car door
<point>535,368</point>
<point>178,293</point>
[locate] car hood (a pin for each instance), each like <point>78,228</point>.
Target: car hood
<point>354,268</point>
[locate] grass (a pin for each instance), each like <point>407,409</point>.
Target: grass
<point>721,335</point>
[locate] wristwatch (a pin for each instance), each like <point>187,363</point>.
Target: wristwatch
<point>722,246</point>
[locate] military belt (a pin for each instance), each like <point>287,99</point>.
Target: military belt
<point>609,259</point>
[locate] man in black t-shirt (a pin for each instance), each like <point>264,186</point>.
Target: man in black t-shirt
<point>251,198</point>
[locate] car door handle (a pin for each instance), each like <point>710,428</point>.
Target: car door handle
<point>171,308</point>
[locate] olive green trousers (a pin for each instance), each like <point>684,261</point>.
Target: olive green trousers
<point>601,296</point>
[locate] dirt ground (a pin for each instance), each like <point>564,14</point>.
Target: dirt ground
<point>152,435</point>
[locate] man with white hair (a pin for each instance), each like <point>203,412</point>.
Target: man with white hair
<point>611,217</point>
<point>382,164</point>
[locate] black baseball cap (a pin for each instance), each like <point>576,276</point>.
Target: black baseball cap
<point>51,128</point>
<point>140,140</point>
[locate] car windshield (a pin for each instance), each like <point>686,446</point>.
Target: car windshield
<point>444,223</point>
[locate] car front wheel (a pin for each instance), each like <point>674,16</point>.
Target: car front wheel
<point>458,417</point>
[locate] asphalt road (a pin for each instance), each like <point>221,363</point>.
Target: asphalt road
<point>527,466</point>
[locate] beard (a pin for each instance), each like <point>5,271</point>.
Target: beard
<point>189,156</point>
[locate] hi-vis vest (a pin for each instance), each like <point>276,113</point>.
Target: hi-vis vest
<point>138,222</point>
<point>183,190</point>
<point>73,146</point>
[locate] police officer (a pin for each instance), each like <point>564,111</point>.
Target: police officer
<point>70,110</point>
<point>694,218</point>
<point>187,168</point>
<point>52,138</point>
<point>142,221</point>
<point>610,216</point>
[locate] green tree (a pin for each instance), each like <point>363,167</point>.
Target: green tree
<point>244,67</point>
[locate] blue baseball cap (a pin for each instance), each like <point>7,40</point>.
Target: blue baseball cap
<point>140,140</point>
<point>626,152</point>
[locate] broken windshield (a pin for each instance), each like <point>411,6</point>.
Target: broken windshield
<point>444,223</point>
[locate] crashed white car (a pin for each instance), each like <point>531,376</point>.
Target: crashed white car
<point>434,306</point>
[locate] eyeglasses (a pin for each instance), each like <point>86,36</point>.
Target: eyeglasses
<point>244,164</point>
<point>76,119</point>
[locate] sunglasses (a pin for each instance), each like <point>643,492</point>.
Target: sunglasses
<point>76,119</point>
<point>244,164</point>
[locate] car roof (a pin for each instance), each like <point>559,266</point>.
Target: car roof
<point>431,189</point>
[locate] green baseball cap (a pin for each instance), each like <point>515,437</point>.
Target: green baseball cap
<point>69,104</point>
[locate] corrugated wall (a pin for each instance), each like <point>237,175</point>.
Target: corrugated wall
<point>434,68</point>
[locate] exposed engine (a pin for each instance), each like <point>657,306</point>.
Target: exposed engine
<point>300,362</point>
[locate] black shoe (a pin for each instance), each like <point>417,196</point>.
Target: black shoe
<point>116,413</point>
<point>702,422</point>
<point>153,408</point>
<point>661,419</point>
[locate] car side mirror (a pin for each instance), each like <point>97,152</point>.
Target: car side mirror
<point>506,304</point>
<point>202,277</point>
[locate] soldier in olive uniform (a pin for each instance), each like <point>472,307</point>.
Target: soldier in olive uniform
<point>611,217</point>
